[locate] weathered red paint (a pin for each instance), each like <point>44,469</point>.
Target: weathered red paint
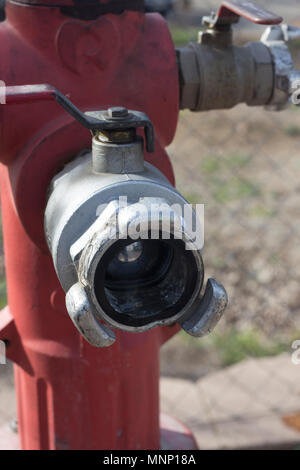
<point>71,395</point>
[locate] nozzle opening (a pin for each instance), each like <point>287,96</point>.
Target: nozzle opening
<point>138,282</point>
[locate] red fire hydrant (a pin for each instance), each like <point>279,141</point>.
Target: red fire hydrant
<point>71,395</point>
<point>99,55</point>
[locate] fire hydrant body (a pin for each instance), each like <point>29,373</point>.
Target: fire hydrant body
<point>71,395</point>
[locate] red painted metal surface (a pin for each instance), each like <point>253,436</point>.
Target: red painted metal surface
<point>175,435</point>
<point>71,395</point>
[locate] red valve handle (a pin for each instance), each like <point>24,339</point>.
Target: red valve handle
<point>230,12</point>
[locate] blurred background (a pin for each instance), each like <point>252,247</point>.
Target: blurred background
<point>237,388</point>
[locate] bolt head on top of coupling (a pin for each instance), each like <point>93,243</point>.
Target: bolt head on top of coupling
<point>117,112</point>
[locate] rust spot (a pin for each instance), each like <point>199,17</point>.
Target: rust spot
<point>293,421</point>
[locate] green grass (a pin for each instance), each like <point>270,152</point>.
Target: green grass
<point>213,164</point>
<point>261,211</point>
<point>183,35</point>
<point>193,198</point>
<point>234,346</point>
<point>292,131</point>
<point>235,188</point>
<point>3,296</point>
<point>294,45</point>
<point>225,190</point>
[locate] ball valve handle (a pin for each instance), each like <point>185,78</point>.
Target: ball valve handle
<point>219,24</point>
<point>230,12</point>
<point>112,119</point>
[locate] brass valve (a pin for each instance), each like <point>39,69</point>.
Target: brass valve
<point>215,74</point>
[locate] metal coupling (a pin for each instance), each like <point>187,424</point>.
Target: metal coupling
<point>124,242</point>
<point>115,279</point>
<point>286,78</point>
<point>123,248</point>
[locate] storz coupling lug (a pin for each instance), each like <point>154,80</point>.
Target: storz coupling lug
<point>208,312</point>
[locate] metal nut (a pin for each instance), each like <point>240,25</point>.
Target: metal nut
<point>117,112</point>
